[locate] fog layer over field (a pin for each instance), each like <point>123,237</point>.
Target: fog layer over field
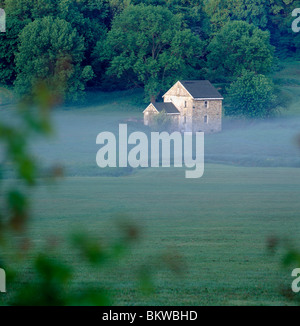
<point>270,143</point>
<point>261,143</point>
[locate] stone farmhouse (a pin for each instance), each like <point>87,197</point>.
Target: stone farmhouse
<point>193,105</point>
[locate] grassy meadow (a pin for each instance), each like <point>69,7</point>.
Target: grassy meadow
<point>218,224</point>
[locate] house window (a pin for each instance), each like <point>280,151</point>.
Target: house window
<point>206,104</point>
<point>185,104</point>
<point>206,119</point>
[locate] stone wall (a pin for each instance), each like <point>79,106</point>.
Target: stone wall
<point>207,118</point>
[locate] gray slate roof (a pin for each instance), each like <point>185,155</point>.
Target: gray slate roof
<point>168,107</point>
<point>201,89</point>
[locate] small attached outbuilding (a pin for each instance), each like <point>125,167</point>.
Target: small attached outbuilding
<point>156,108</point>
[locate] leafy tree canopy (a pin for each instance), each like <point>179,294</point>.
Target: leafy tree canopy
<point>240,46</point>
<point>88,17</point>
<point>56,52</point>
<point>152,47</point>
<point>252,95</point>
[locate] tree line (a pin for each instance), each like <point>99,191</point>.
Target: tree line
<point>120,44</point>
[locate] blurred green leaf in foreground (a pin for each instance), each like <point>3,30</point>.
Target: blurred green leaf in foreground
<point>49,280</point>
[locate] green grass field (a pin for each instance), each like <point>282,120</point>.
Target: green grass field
<point>219,224</point>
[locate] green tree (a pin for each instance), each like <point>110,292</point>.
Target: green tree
<point>274,16</point>
<point>151,47</point>
<point>56,52</point>
<point>16,20</point>
<point>117,6</point>
<point>240,46</point>
<point>252,95</point>
<point>287,43</point>
<point>191,11</point>
<point>88,17</point>
<point>223,11</point>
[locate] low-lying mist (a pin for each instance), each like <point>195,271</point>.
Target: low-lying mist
<point>257,143</point>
